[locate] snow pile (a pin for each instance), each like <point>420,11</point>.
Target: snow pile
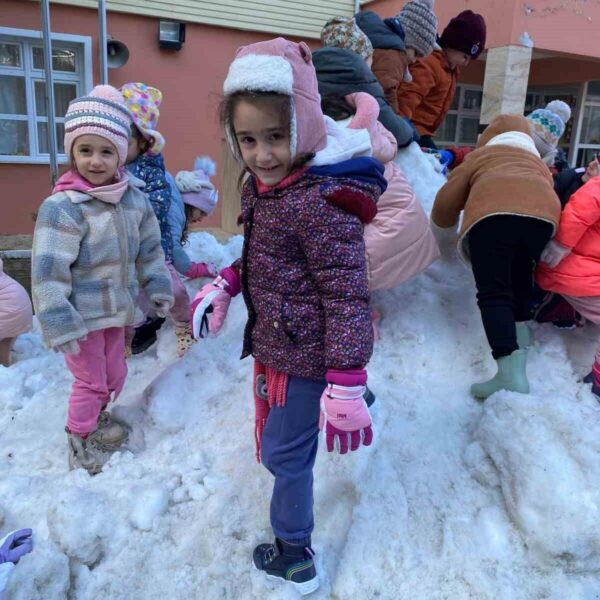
<point>454,499</point>
<point>545,449</point>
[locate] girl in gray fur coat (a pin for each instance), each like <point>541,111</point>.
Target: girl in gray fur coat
<point>96,238</point>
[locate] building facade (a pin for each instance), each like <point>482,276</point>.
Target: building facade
<point>537,51</point>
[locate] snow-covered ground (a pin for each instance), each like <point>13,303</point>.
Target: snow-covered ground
<point>454,500</point>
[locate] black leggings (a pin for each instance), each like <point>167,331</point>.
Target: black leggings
<point>504,251</point>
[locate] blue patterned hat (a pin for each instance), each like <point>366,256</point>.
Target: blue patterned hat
<point>548,125</point>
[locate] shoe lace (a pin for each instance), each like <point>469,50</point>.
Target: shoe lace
<point>269,554</point>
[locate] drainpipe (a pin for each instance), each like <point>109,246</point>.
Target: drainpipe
<point>52,148</point>
<point>102,40</point>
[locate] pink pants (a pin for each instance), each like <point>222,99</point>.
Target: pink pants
<point>99,370</point>
<point>180,311</point>
<point>589,307</point>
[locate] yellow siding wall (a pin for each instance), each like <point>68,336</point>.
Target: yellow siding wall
<point>302,18</point>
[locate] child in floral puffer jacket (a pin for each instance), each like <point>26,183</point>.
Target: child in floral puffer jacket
<point>304,280</point>
<point>96,243</point>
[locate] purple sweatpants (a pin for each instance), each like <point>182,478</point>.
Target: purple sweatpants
<point>99,371</point>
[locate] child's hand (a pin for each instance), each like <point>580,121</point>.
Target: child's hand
<point>344,411</point>
<point>201,270</point>
<point>70,347</point>
<point>161,307</point>
<point>554,253</point>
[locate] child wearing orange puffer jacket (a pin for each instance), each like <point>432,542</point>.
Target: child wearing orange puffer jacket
<point>571,261</point>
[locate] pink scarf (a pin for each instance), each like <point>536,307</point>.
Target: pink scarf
<point>111,193</point>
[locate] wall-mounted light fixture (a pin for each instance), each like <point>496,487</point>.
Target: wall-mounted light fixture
<point>171,34</point>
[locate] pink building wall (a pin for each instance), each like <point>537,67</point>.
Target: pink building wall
<point>568,26</point>
<point>191,82</point>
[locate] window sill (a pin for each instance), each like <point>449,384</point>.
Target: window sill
<point>32,160</point>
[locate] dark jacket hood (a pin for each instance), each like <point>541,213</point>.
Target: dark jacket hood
<point>382,35</point>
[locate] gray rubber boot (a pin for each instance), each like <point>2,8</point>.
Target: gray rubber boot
<point>511,376</point>
<point>524,335</point>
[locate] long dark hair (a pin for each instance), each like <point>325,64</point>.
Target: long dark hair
<point>280,102</point>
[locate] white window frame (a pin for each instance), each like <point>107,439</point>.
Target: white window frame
<point>576,144</point>
<point>460,114</point>
<point>28,39</point>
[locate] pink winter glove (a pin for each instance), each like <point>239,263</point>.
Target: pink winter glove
<point>201,270</point>
<point>211,303</point>
<point>344,411</point>
<point>554,253</point>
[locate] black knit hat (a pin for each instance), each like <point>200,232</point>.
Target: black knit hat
<point>466,33</point>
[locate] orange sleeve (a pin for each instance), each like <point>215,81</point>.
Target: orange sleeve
<point>388,66</point>
<point>411,95</point>
<point>581,212</point>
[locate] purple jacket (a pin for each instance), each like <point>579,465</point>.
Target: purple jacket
<point>304,277</point>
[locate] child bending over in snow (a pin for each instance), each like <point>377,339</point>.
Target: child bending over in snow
<point>571,261</point>
<point>303,276</point>
<point>510,213</point>
<point>95,238</point>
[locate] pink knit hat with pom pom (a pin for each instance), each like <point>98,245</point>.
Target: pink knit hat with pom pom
<point>102,112</point>
<point>195,186</point>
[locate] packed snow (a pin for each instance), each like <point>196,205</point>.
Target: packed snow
<point>455,499</point>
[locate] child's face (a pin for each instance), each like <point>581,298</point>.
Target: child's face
<point>96,159</point>
<point>263,136</point>
<point>197,215</point>
<point>456,58</point>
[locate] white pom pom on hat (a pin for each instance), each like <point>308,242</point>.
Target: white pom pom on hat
<point>561,109</point>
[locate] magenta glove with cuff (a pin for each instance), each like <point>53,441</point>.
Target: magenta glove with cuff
<point>344,412</point>
<point>554,253</point>
<point>201,270</point>
<point>211,303</point>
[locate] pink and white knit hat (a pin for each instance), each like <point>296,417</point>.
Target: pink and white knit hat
<point>286,68</point>
<point>102,112</point>
<point>195,186</point>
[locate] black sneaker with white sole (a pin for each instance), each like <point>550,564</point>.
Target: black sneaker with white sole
<point>291,563</point>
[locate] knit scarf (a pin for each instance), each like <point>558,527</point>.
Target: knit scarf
<point>112,193</point>
<point>270,387</point>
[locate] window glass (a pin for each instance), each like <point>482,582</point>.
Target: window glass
<point>10,55</point>
<point>590,128</point>
<point>42,131</point>
<point>14,137</point>
<point>12,95</point>
<point>447,130</point>
<point>472,100</point>
<point>468,131</point>
<point>63,94</point>
<point>63,59</point>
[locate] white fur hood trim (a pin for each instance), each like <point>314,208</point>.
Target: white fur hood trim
<point>515,139</point>
<point>263,73</point>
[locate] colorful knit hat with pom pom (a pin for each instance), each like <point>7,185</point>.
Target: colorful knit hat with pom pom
<point>195,186</point>
<point>143,102</point>
<point>548,125</point>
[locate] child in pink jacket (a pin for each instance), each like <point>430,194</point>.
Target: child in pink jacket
<point>399,242</point>
<point>570,262</point>
<point>15,314</point>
